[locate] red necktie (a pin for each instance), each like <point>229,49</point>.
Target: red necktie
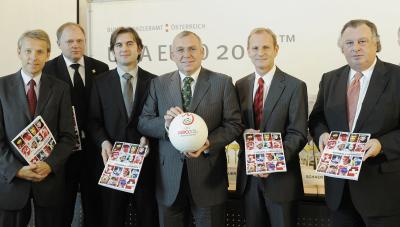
<point>31,94</point>
<point>258,103</point>
<point>353,91</point>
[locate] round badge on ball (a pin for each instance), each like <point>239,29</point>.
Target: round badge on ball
<point>188,132</point>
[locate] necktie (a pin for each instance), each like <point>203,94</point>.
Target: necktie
<point>31,94</point>
<point>128,93</point>
<point>187,92</point>
<point>353,91</point>
<point>258,103</point>
<point>78,82</point>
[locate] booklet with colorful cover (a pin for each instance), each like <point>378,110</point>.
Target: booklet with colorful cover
<point>35,142</point>
<point>122,169</point>
<point>78,143</point>
<point>343,154</point>
<point>264,153</point>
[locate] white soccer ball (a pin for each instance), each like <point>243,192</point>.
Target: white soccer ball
<point>188,132</point>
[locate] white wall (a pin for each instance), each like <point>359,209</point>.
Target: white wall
<point>18,16</point>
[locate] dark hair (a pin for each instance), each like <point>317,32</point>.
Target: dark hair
<point>121,30</point>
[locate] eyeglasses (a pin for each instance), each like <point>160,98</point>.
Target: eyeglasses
<point>360,42</point>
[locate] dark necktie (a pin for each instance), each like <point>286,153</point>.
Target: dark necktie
<point>128,93</point>
<point>187,92</point>
<point>353,92</point>
<point>31,94</point>
<point>78,82</point>
<point>258,103</point>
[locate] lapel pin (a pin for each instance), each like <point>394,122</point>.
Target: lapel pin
<point>93,71</point>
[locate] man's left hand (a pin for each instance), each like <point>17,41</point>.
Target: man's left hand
<point>143,143</point>
<point>197,153</point>
<point>42,168</point>
<point>373,147</point>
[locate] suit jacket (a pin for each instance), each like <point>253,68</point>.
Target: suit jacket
<point>54,106</point>
<point>108,117</point>
<point>214,99</point>
<point>285,111</point>
<point>57,67</point>
<point>376,192</point>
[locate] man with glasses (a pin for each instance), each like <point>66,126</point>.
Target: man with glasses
<point>362,97</point>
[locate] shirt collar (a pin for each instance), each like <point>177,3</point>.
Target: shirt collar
<point>194,75</point>
<point>267,77</point>
<point>28,78</point>
<point>366,73</point>
<point>133,72</point>
<point>68,62</point>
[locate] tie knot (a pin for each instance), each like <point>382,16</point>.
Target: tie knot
<point>358,76</point>
<point>188,80</point>
<point>75,66</point>
<point>127,76</point>
<point>261,81</point>
<point>32,83</point>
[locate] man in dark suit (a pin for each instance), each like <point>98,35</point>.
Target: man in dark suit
<point>271,101</point>
<point>24,96</point>
<point>82,168</point>
<point>117,100</point>
<point>195,181</point>
<point>362,97</point>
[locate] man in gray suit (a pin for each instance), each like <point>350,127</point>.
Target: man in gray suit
<point>271,101</point>
<point>195,181</point>
<point>25,95</point>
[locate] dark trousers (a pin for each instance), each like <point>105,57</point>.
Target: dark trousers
<point>44,216</point>
<point>348,216</point>
<point>261,211</point>
<point>181,211</point>
<point>81,177</point>
<point>116,207</point>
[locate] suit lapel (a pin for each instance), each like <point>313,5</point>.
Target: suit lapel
<point>201,88</point>
<point>275,91</point>
<point>140,89</point>
<point>375,89</point>
<point>115,85</point>
<point>249,99</point>
<point>44,94</point>
<point>90,71</point>
<point>18,85</point>
<point>63,68</point>
<point>174,89</point>
<point>341,93</point>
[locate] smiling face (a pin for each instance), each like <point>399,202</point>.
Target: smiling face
<point>187,53</point>
<point>126,50</point>
<point>262,51</point>
<point>359,47</point>
<point>33,54</point>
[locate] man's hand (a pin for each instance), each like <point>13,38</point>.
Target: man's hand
<point>372,148</point>
<point>323,140</point>
<point>106,147</point>
<point>42,168</point>
<point>143,143</point>
<point>28,173</point>
<point>171,114</point>
<point>197,153</point>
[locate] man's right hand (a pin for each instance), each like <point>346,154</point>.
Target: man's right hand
<point>28,173</point>
<point>323,140</point>
<point>106,148</point>
<point>171,114</point>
